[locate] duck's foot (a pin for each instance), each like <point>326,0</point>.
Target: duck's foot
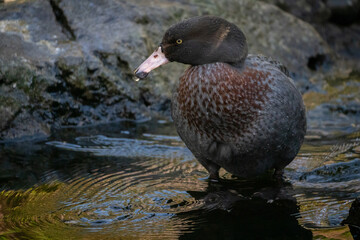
<point>214,176</point>
<point>278,176</point>
<point>212,168</point>
<point>279,179</point>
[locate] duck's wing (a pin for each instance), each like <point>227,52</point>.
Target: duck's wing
<point>270,60</point>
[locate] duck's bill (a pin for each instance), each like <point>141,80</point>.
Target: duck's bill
<point>156,59</point>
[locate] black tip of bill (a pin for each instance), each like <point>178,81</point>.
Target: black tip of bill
<point>156,59</point>
<point>140,75</point>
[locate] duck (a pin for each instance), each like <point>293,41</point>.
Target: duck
<point>233,110</point>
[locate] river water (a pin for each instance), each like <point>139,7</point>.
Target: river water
<point>132,180</point>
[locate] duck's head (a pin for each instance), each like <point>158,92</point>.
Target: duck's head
<point>197,41</point>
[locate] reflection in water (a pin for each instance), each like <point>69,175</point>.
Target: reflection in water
<point>261,211</point>
<point>137,181</point>
<point>354,219</point>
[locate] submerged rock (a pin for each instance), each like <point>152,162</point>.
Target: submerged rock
<point>66,62</point>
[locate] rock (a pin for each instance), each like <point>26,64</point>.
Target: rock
<point>50,79</point>
<point>344,12</point>
<point>20,98</point>
<point>307,10</point>
<point>317,11</point>
<point>66,62</point>
<point>337,22</point>
<point>30,130</point>
<point>344,40</point>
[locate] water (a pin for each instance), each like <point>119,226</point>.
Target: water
<point>131,180</point>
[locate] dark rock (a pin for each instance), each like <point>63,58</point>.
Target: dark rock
<point>337,172</point>
<point>344,12</point>
<point>318,11</point>
<point>344,40</point>
<point>349,108</point>
<point>25,126</point>
<point>307,10</point>
<point>337,21</point>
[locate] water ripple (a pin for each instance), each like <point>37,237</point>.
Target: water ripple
<point>124,147</point>
<point>152,186</point>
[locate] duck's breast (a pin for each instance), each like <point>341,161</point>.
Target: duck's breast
<point>220,101</point>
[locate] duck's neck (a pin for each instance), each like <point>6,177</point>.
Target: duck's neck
<point>239,64</point>
<point>242,56</point>
<point>236,58</point>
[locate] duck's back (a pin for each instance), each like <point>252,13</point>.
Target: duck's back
<point>247,119</point>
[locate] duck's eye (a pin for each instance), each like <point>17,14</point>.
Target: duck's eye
<point>179,41</point>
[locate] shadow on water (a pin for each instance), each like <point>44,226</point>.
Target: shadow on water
<point>267,212</point>
<point>137,180</point>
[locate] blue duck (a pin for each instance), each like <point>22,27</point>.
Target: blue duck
<point>232,110</point>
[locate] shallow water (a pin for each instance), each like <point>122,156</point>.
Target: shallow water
<point>133,180</point>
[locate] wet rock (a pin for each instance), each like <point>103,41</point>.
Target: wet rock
<point>25,126</point>
<point>49,79</point>
<point>19,94</point>
<point>349,108</point>
<point>336,172</point>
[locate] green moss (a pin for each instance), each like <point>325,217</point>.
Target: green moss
<point>22,76</point>
<point>9,102</point>
<point>73,71</point>
<point>25,79</point>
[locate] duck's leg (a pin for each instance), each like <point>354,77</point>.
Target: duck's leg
<point>214,175</point>
<point>278,175</point>
<point>211,167</point>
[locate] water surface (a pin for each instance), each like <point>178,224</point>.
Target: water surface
<point>131,180</point>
